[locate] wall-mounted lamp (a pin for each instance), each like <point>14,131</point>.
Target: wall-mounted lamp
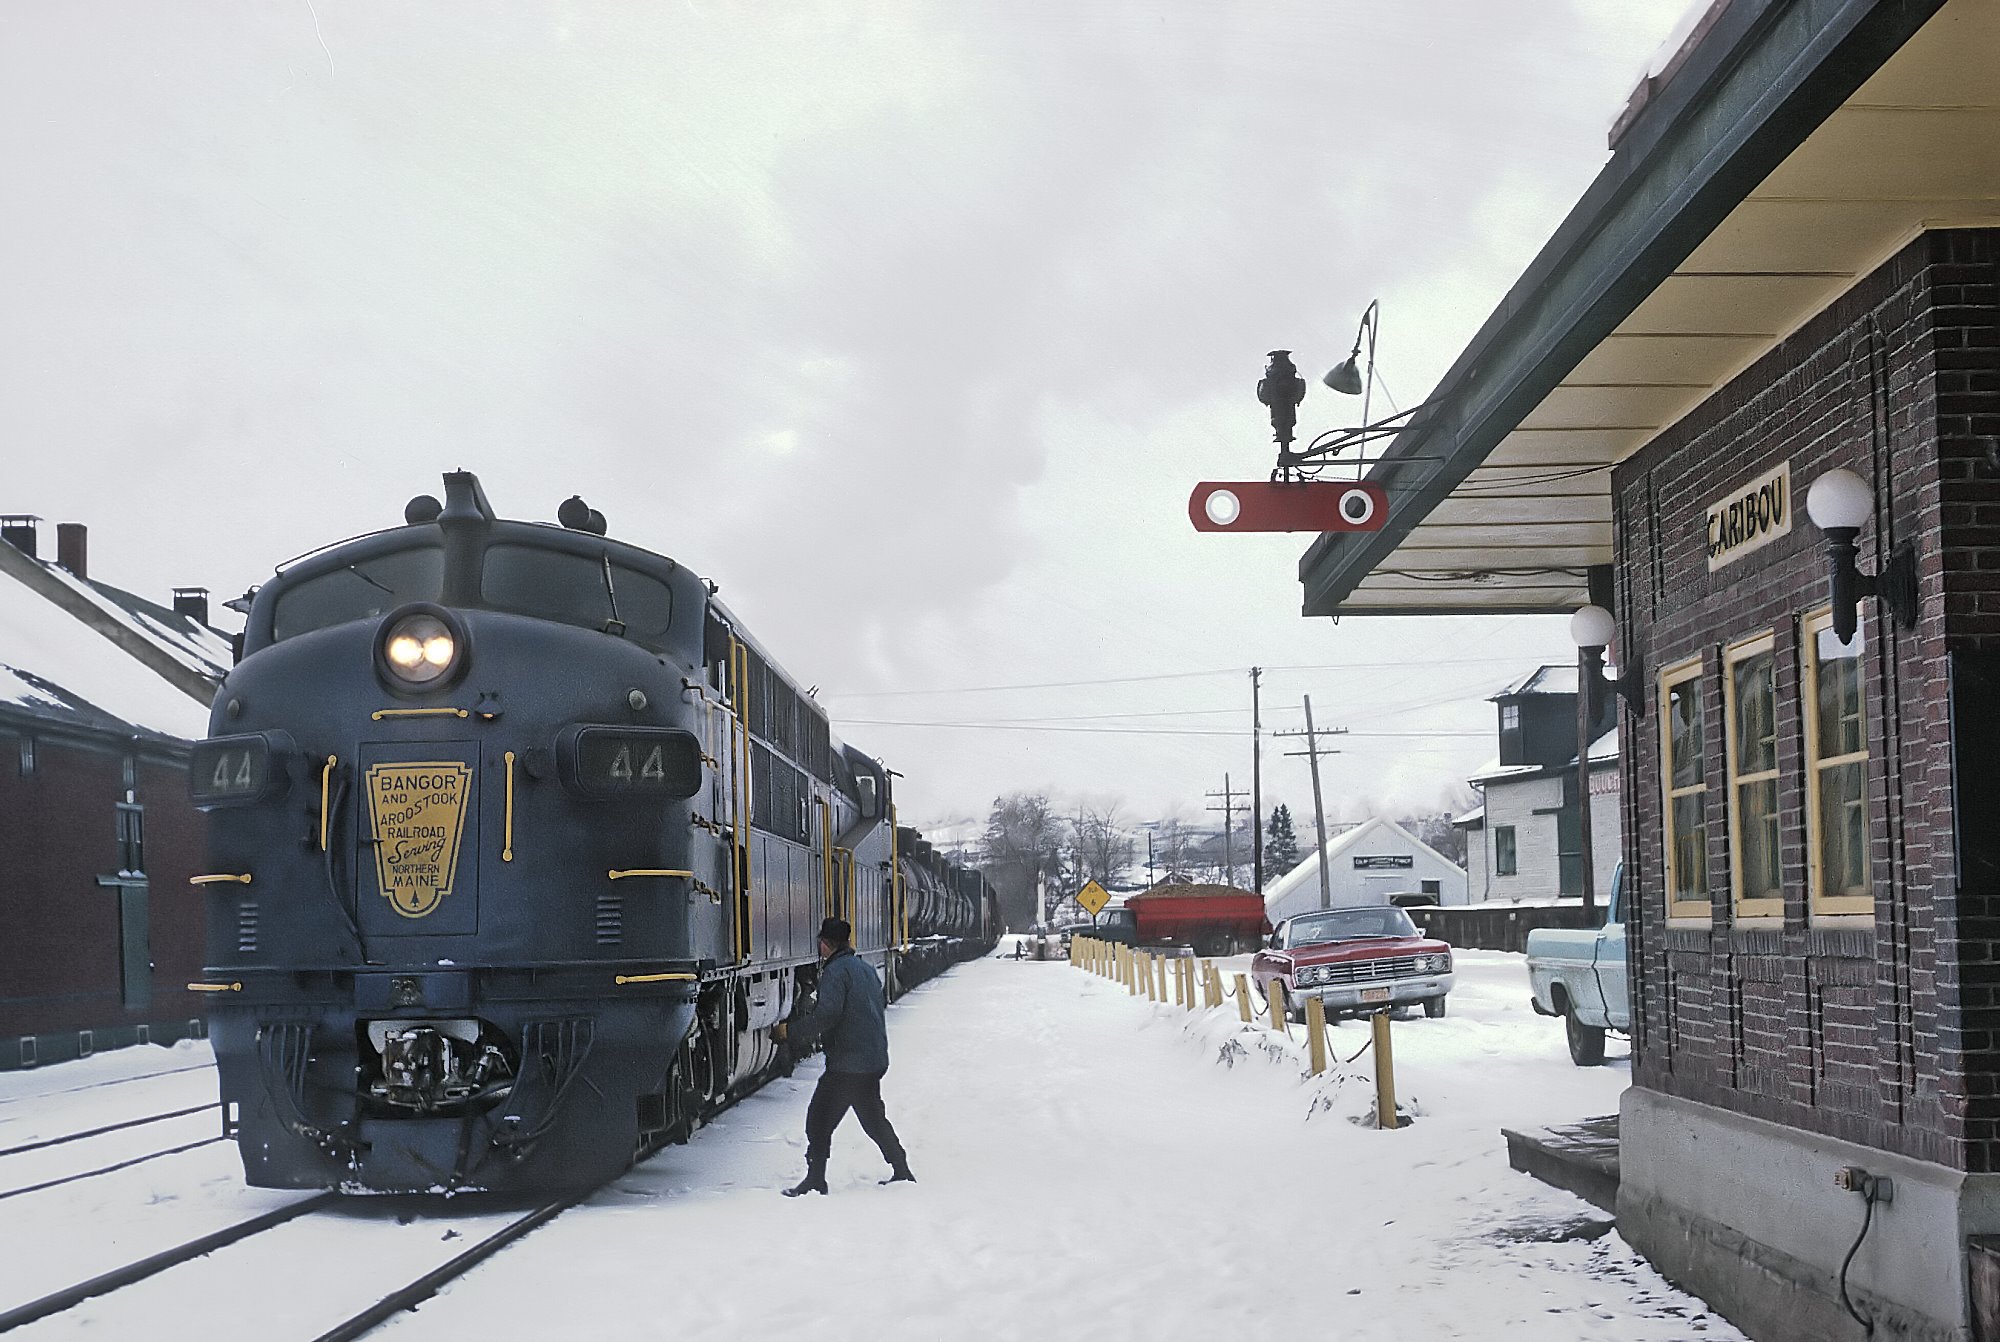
<point>1346,377</point>
<point>1592,629</point>
<point>1840,504</point>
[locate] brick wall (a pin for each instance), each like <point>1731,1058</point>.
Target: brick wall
<point>61,957</point>
<point>1882,1031</point>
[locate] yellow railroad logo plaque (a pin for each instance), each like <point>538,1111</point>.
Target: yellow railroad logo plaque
<point>1093,897</point>
<point>419,815</point>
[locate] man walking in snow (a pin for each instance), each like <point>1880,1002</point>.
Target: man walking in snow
<point>849,1019</point>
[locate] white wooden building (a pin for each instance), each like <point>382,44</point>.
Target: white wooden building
<point>1367,864</point>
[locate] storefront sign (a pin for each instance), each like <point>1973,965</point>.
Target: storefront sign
<point>1386,862</point>
<point>1750,518</point>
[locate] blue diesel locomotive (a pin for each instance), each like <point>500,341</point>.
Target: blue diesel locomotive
<point>518,844</point>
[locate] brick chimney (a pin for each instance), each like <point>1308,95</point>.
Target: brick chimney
<point>192,602</point>
<point>73,548</point>
<point>18,530</point>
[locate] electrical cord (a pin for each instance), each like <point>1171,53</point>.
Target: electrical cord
<point>1867,1219</point>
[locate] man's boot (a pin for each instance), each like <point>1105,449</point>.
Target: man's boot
<point>814,1182</point>
<point>899,1173</point>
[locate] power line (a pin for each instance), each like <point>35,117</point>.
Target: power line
<point>1031,726</point>
<point>1403,665</point>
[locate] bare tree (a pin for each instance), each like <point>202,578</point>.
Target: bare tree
<point>1099,844</point>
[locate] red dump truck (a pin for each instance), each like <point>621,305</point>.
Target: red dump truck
<point>1209,919</point>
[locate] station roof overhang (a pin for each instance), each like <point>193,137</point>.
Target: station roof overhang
<point>1790,148</point>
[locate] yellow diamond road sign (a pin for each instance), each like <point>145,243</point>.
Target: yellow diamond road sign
<point>1093,897</point>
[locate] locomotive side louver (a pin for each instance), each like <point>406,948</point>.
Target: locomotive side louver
<point>610,920</point>
<point>246,927</point>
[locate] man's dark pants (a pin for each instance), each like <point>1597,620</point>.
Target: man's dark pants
<point>838,1092</point>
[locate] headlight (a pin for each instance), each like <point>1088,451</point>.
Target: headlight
<point>420,648</point>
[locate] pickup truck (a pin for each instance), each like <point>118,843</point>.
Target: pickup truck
<point>1579,974</point>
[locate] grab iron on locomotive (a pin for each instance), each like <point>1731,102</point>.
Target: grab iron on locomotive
<point>518,841</point>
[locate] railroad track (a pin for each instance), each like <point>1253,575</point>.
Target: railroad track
<point>113,1081</point>
<point>102,1130</point>
<point>389,1305</point>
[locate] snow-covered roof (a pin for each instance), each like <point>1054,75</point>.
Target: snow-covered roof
<point>1605,747</point>
<point>56,666</point>
<point>1476,816</point>
<point>1541,680</point>
<point>1494,770</point>
<point>1307,872</point>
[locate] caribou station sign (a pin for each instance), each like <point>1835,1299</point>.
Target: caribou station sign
<point>1750,518</point>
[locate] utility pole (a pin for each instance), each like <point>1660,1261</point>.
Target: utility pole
<point>1312,752</point>
<point>1229,808</point>
<point>1256,782</point>
<point>1586,876</point>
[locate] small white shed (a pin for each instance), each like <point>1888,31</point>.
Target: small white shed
<point>1366,865</point>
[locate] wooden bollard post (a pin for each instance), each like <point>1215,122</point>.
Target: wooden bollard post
<point>1188,973</point>
<point>1160,971</point>
<point>1385,1073</point>
<point>1243,998</point>
<point>1211,983</point>
<point>1274,998</point>
<point>1316,1033</point>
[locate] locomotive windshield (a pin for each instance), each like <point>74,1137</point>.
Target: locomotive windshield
<point>364,589</point>
<point>577,589</point>
<point>531,580</point>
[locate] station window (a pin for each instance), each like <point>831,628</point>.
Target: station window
<point>1684,782</point>
<point>1506,857</point>
<point>1510,734</point>
<point>1836,729</point>
<point>27,757</point>
<point>1750,716</point>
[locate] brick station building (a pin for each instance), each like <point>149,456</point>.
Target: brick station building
<point>101,691</point>
<point>1790,266</point>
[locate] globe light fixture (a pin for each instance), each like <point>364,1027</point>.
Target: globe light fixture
<point>1592,628</point>
<point>1840,504</point>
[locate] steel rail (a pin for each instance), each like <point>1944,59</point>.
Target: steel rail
<point>428,1285</point>
<point>109,1169</point>
<point>119,1278</point>
<point>108,1127</point>
<point>113,1081</point>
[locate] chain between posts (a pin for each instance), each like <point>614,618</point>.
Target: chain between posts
<point>1148,973</point>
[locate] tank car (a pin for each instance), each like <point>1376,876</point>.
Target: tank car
<point>518,846</point>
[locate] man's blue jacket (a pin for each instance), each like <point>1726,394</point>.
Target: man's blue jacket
<point>848,1017</point>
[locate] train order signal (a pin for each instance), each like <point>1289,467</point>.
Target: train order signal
<point>1261,505</point>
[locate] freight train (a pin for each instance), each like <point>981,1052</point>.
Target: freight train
<point>518,843</point>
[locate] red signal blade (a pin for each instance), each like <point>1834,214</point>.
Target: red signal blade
<point>1309,505</point>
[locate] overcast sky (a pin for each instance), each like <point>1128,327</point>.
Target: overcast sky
<point>911,325</point>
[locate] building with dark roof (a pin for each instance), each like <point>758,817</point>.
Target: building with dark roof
<point>1525,839</point>
<point>1788,273</point>
<point>101,692</point>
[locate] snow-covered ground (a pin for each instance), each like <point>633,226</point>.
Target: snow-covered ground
<point>1090,1166</point>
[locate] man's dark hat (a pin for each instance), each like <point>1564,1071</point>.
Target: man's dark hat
<point>835,931</point>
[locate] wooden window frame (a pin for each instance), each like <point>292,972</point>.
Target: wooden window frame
<point>1819,905</point>
<point>1702,910</point>
<point>1772,906</point>
<point>1513,837</point>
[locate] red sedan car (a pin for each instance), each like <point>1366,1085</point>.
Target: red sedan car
<point>1355,961</point>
